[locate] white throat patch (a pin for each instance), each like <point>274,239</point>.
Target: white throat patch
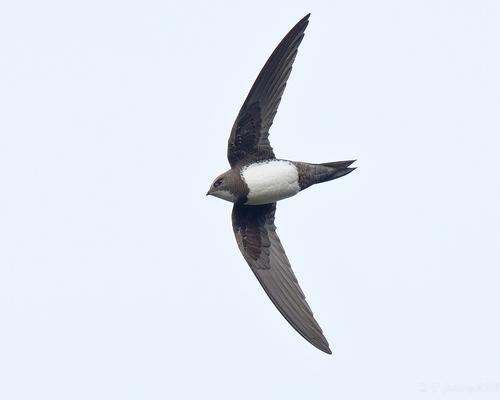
<point>225,195</point>
<point>270,181</point>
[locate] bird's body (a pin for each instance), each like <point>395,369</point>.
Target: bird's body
<point>270,180</point>
<point>257,180</point>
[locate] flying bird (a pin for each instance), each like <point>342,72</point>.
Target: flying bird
<point>257,180</point>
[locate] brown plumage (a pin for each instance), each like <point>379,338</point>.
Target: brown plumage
<point>257,180</point>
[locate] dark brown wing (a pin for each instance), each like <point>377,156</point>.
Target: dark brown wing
<point>249,140</point>
<point>260,245</point>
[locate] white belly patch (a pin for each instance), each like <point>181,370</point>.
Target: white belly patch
<point>270,181</point>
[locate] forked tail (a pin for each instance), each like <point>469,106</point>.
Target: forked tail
<point>311,174</point>
<point>340,168</point>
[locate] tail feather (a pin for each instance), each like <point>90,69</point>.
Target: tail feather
<point>338,169</point>
<point>343,172</point>
<point>311,174</point>
<point>338,164</point>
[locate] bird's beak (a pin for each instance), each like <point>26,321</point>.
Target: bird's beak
<point>209,192</point>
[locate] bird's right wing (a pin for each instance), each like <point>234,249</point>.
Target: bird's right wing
<point>249,140</point>
<point>260,245</point>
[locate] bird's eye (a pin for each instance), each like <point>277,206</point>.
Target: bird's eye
<point>218,182</point>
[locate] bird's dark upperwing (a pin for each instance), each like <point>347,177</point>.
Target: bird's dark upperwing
<point>257,239</point>
<point>249,140</point>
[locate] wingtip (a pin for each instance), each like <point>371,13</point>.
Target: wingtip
<point>304,20</point>
<point>325,348</point>
<point>321,344</point>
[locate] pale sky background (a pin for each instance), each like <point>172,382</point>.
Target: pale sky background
<point>119,279</point>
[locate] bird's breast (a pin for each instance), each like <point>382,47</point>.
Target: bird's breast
<point>270,181</point>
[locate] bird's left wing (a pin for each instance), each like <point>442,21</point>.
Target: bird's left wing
<point>249,140</point>
<point>260,245</point>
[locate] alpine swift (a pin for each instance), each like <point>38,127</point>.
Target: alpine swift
<point>257,180</point>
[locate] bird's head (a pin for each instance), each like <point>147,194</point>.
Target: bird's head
<point>224,188</point>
